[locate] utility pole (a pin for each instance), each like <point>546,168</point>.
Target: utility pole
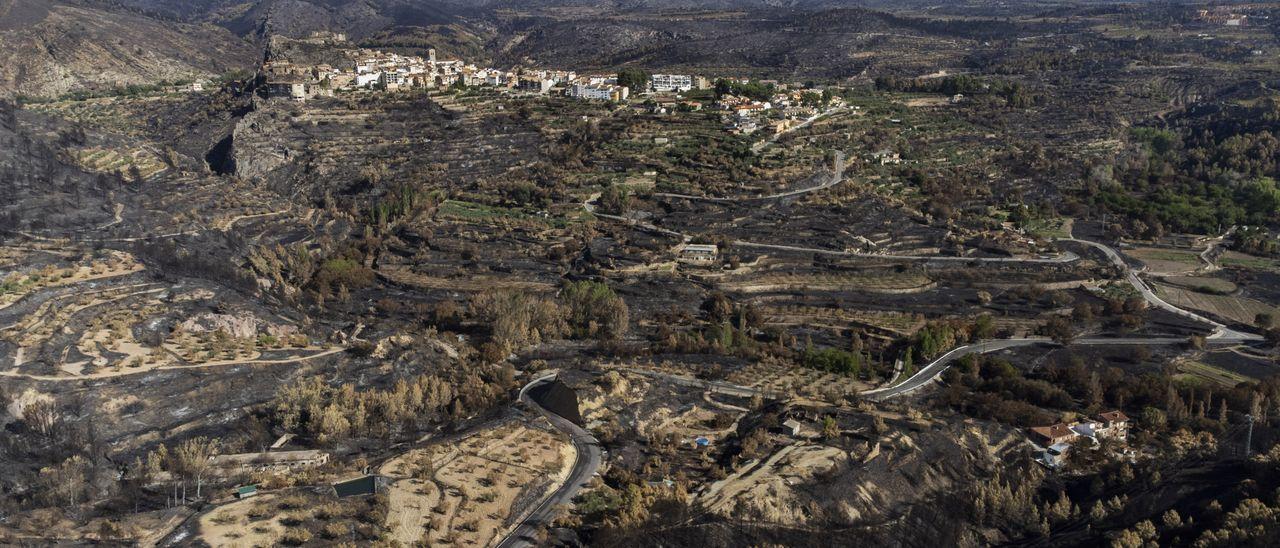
<point>1248,437</point>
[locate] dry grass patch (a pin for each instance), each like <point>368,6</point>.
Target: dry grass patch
<point>1202,284</point>
<point>1162,261</point>
<point>875,282</point>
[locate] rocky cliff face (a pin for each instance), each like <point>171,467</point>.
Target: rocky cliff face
<point>255,149</point>
<point>50,49</point>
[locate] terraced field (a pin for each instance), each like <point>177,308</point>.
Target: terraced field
<point>778,378</point>
<point>141,163</point>
<point>1204,373</point>
<point>874,282</point>
<point>890,323</point>
<point>1241,310</point>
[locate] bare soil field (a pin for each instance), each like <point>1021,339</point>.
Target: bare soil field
<point>1236,309</point>
<point>99,322</point>
<point>927,102</point>
<point>1202,283</point>
<point>230,524</point>
<point>435,495</point>
<point>138,163</point>
<point>1167,262</point>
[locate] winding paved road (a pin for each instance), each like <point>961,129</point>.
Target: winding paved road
<point>587,459</point>
<point>1220,331</point>
<point>931,372</point>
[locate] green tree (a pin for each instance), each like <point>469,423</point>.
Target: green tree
<point>636,79</point>
<point>595,310</point>
<point>830,429</point>
<point>984,327</point>
<point>1264,320</point>
<point>615,200</point>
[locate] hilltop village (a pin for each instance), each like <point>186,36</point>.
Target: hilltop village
<point>747,105</point>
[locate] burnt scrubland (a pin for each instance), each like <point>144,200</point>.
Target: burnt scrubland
<point>850,326</point>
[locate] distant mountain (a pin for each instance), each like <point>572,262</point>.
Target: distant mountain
<point>51,47</point>
<point>295,18</point>
<point>781,43</point>
<point>362,18</point>
<point>48,48</point>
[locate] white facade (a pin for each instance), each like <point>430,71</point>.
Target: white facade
<point>699,253</point>
<point>604,93</point>
<point>672,82</point>
<point>392,80</point>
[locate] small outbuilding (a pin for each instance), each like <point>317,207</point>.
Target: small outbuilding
<point>366,485</point>
<point>699,253</point>
<point>793,427</point>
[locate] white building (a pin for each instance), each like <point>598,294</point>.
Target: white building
<point>886,157</point>
<point>559,76</point>
<point>599,92</point>
<point>535,84</point>
<point>392,80</point>
<point>699,253</point>
<point>600,80</point>
<point>275,462</point>
<point>672,82</point>
<point>793,427</point>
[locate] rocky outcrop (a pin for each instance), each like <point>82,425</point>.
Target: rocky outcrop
<point>254,148</point>
<point>241,325</point>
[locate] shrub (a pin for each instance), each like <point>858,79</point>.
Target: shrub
<point>335,530</point>
<point>295,537</point>
<point>293,502</point>
<point>292,519</point>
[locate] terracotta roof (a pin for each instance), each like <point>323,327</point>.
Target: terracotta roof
<point>1113,416</point>
<point>1053,431</point>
